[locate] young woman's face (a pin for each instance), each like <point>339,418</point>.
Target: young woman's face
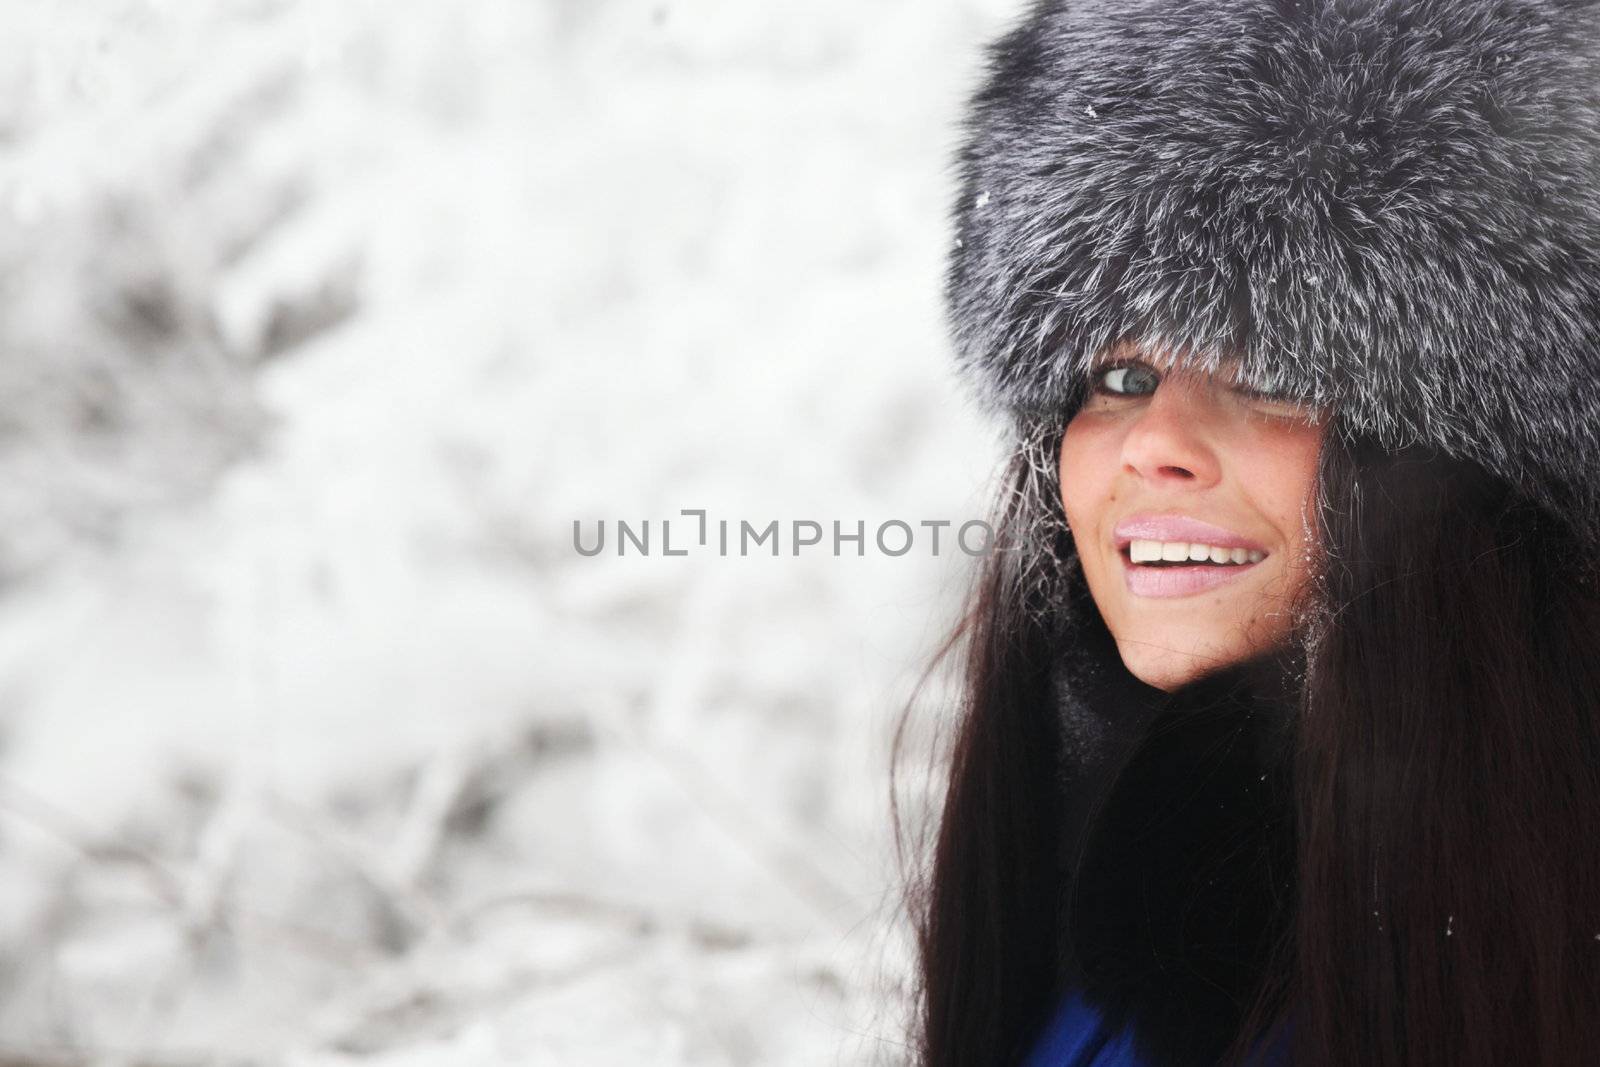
<point>1170,465</point>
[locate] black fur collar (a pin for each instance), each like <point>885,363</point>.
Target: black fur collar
<point>1177,853</point>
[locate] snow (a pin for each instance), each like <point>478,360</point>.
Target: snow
<point>320,742</point>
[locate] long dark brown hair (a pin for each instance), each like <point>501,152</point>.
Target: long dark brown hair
<point>1445,784</point>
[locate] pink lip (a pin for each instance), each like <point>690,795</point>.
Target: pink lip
<point>1178,581</point>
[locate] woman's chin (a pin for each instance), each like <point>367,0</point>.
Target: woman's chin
<point>1167,664</point>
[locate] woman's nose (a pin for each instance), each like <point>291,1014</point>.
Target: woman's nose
<point>1171,441</point>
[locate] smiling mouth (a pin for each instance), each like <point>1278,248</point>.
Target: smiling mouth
<point>1126,552</point>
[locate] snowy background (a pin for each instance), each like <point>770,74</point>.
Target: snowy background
<point>323,321</point>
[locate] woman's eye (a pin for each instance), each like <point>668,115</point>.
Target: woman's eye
<point>1124,380</point>
<point>1139,379</point>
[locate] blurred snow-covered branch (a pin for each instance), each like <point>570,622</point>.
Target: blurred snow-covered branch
<point>322,322</point>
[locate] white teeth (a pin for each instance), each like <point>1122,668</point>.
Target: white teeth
<point>1185,551</point>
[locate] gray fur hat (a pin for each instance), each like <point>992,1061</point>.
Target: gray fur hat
<point>1387,206</point>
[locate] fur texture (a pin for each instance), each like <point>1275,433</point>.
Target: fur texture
<point>1390,207</point>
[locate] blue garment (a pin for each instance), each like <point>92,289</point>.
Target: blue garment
<point>1077,1036</point>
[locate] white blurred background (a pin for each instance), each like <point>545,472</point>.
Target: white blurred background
<point>322,323</point>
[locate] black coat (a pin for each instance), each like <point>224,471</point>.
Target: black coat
<point>1177,850</point>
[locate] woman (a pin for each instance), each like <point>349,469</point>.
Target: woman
<point>1323,276</point>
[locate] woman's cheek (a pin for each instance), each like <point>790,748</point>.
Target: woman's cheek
<point>1080,449</point>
